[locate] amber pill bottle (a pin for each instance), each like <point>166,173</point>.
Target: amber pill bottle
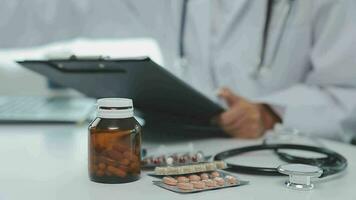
<point>114,143</point>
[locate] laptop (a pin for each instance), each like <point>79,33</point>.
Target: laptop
<point>38,109</point>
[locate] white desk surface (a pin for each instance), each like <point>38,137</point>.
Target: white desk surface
<point>50,162</point>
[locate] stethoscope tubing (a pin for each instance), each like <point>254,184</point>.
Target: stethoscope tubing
<point>332,164</point>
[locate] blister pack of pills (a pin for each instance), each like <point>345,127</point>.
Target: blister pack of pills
<point>199,182</point>
<point>190,168</point>
<point>174,159</point>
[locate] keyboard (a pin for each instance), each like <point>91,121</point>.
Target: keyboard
<point>45,109</point>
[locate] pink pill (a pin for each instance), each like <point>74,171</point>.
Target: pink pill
<point>169,181</point>
<point>215,174</point>
<point>182,179</point>
<point>204,176</point>
<point>185,186</point>
<point>194,177</point>
<point>210,183</point>
<point>220,181</point>
<point>231,179</point>
<point>198,184</point>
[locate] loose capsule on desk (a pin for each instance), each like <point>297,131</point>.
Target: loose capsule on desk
<point>169,180</point>
<point>198,184</point>
<point>219,181</point>
<point>215,174</point>
<point>204,176</point>
<point>194,177</point>
<point>185,186</point>
<point>182,179</point>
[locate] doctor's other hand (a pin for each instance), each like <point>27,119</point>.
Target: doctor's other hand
<point>245,119</point>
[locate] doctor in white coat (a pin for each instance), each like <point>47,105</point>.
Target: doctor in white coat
<point>290,61</point>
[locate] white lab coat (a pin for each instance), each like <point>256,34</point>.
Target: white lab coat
<point>309,76</point>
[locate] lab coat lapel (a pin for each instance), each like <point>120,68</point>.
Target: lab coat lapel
<point>278,23</point>
<point>232,19</point>
<point>199,15</point>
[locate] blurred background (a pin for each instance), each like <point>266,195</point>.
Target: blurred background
<point>57,29</point>
<point>37,30</point>
<point>17,80</point>
<point>26,96</point>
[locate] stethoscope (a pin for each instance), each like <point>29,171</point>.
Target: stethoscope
<point>300,170</point>
<point>261,65</point>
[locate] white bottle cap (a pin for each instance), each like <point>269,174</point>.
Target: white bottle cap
<point>115,108</point>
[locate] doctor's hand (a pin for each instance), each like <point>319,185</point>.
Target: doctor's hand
<point>245,119</point>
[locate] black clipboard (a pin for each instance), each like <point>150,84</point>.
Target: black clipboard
<point>157,94</point>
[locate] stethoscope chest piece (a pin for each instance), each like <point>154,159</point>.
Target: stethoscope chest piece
<point>300,175</point>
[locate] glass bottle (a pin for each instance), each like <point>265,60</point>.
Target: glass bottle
<point>114,143</point>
